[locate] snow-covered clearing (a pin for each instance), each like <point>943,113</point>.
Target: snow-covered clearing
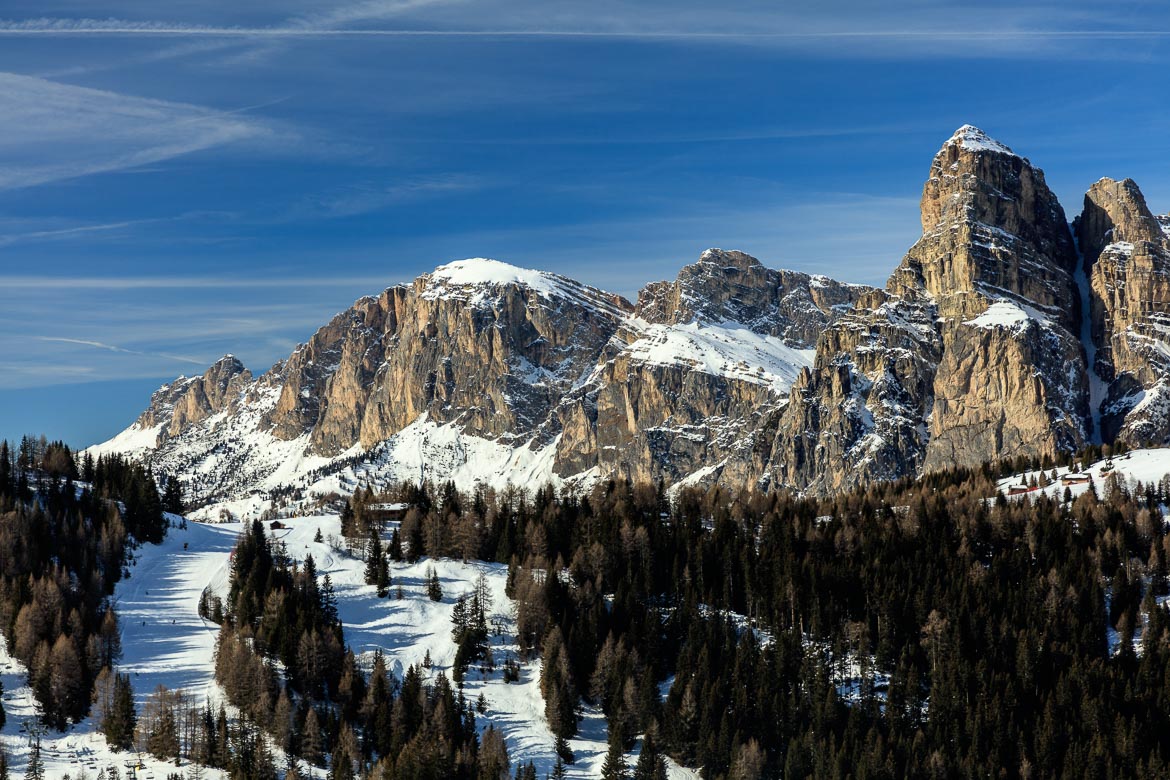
<point>165,642</point>
<point>1145,466</point>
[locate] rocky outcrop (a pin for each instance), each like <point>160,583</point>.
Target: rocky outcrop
<point>475,343</point>
<point>858,414</point>
<point>970,356</point>
<point>705,363</point>
<point>1127,257</point>
<point>190,400</point>
<point>736,287</point>
<point>998,258</point>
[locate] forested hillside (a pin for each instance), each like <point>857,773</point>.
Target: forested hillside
<point>912,629</point>
<point>63,546</point>
<point>930,628</point>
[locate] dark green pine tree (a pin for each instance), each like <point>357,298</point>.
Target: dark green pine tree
<point>172,499</point>
<point>395,547</point>
<point>120,722</point>
<point>434,587</point>
<point>651,764</point>
<point>564,752</point>
<point>373,558</point>
<point>36,769</point>
<point>615,766</point>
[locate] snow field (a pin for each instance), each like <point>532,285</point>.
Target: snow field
<point>1145,466</point>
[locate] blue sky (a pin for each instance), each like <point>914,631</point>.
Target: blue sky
<point>185,179</point>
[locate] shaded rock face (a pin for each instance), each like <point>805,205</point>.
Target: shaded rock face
<point>1127,258</point>
<point>858,414</point>
<point>650,414</point>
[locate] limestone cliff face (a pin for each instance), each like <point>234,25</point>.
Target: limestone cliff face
<point>859,413</point>
<point>190,400</point>
<point>492,353</point>
<point>1127,257</point>
<point>699,371</point>
<point>998,258</point>
<point>969,356</point>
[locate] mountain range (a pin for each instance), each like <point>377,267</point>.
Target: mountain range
<point>1004,331</point>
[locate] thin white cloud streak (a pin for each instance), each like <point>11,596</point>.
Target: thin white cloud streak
<point>182,282</point>
<point>50,131</point>
<point>365,197</point>
<point>123,350</point>
<point>97,27</point>
<point>72,232</point>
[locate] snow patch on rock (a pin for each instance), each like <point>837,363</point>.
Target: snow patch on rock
<point>972,139</point>
<point>727,350</point>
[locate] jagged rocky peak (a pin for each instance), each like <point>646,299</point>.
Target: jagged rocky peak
<point>1115,212</point>
<point>992,227</point>
<point>970,138</point>
<point>1127,256</point>
<point>969,357</point>
<point>998,258</point>
<point>731,286</point>
<point>483,342</point>
<point>189,400</point>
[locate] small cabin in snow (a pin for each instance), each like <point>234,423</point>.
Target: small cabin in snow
<point>387,513</point>
<point>1075,479</point>
<point>1016,490</point>
<point>276,525</point>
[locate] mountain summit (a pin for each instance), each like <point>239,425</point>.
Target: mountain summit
<point>992,338</point>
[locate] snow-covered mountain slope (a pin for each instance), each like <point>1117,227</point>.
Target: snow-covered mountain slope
<point>167,643</point>
<point>727,349</point>
<point>482,372</point>
<point>164,642</point>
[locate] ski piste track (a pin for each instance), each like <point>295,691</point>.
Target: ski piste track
<point>166,643</point>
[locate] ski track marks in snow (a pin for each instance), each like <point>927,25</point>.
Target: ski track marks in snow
<point>165,642</point>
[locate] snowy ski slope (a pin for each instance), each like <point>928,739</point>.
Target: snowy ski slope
<point>165,642</point>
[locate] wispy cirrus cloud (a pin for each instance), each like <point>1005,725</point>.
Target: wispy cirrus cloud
<point>905,27</point>
<point>48,283</point>
<point>123,350</point>
<point>114,28</point>
<point>367,197</point>
<point>51,131</point>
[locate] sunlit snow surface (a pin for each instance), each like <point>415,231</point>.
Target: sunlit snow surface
<point>973,139</point>
<point>728,349</point>
<point>132,442</point>
<point>166,643</point>
<point>1145,466</point>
